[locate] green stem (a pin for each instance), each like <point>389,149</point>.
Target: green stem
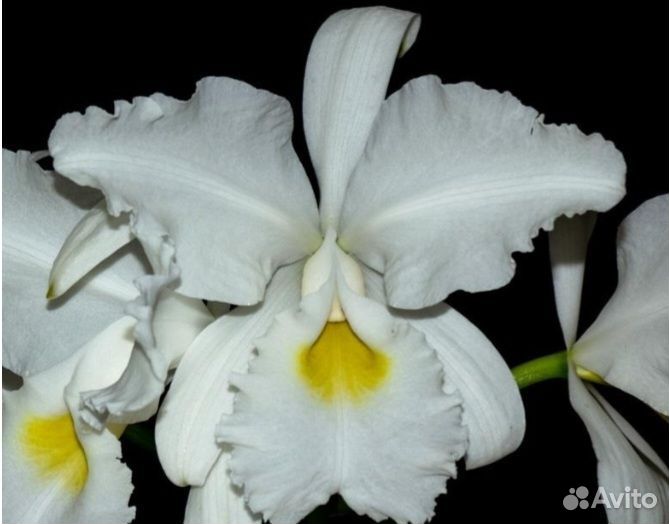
<point>540,369</point>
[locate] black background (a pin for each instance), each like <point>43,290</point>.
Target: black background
<point>603,68</point>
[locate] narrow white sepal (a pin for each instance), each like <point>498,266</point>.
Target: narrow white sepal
<point>345,82</point>
<point>97,236</point>
<point>568,243</point>
<point>623,457</point>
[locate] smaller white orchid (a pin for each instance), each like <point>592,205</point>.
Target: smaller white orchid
<point>55,469</point>
<point>627,347</point>
<point>422,193</point>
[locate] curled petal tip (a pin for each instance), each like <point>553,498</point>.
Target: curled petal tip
<point>51,291</point>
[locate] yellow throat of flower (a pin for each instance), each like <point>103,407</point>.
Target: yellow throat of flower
<point>340,366</point>
<point>52,446</point>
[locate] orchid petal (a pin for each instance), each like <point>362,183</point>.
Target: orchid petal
<point>632,435</point>
<point>620,465</point>
<point>68,322</point>
<point>387,438</point>
<point>440,153</point>
<point>346,79</point>
<point>176,324</point>
<point>134,396</point>
<point>103,359</point>
<point>628,344</point>
<point>492,407</point>
<point>218,500</point>
<point>226,153</point>
<point>54,470</point>
<point>200,391</point>
<point>39,209</point>
<point>96,237</point>
<point>568,248</point>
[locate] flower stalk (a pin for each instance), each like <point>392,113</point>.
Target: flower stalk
<point>541,369</point>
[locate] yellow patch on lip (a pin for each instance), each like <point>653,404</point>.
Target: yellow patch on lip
<point>340,365</point>
<point>52,445</point>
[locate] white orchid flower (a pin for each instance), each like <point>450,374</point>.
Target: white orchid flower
<point>422,193</point>
<point>627,347</point>
<point>55,469</point>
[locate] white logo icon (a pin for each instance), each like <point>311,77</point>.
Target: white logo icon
<point>576,498</point>
<point>630,498</point>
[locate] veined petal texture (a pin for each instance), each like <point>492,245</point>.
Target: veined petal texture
<point>628,344</point>
<point>215,176</point>
<point>39,210</point>
<point>455,178</point>
<point>345,83</point>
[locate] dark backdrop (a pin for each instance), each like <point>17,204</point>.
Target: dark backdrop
<point>603,67</point>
